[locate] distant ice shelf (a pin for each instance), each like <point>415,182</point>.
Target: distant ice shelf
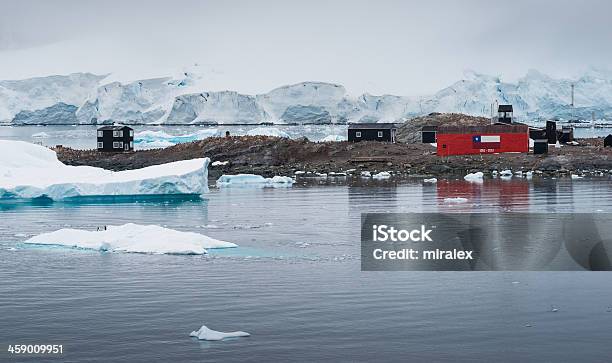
<point>32,171</point>
<point>132,238</point>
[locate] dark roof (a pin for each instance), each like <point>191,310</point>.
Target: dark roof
<point>113,128</point>
<point>429,128</point>
<point>504,108</point>
<point>608,137</point>
<point>373,126</point>
<point>483,129</point>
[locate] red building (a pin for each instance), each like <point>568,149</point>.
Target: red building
<point>489,139</point>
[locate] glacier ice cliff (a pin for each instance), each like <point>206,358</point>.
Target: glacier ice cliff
<point>93,99</point>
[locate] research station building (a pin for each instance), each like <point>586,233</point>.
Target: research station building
<point>372,132</point>
<point>488,139</point>
<point>115,138</point>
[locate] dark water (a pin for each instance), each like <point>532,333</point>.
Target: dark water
<point>295,283</point>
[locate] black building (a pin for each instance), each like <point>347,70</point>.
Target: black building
<point>115,138</point>
<point>566,135</point>
<point>551,132</point>
<point>504,114</point>
<point>372,132</point>
<point>608,141</point>
<point>428,134</point>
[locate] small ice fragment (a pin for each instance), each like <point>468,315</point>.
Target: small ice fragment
<point>219,163</point>
<point>382,175</point>
<point>474,176</point>
<point>204,333</point>
<point>455,200</point>
<point>432,180</point>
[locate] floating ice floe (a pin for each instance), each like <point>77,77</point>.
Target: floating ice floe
<point>204,333</point>
<point>506,173</point>
<point>455,200</point>
<point>32,171</point>
<point>431,180</point>
<point>477,176</point>
<point>254,180</point>
<point>330,138</point>
<point>267,131</point>
<point>219,163</point>
<point>40,135</point>
<point>382,175</point>
<point>575,176</point>
<point>132,238</point>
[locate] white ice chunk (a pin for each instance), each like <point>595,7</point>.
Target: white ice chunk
<point>252,179</point>
<point>31,171</point>
<point>506,172</point>
<point>455,200</point>
<point>477,176</point>
<point>365,174</point>
<point>132,238</point>
<point>431,180</point>
<point>575,176</point>
<point>204,333</point>
<point>382,175</point>
<point>40,135</point>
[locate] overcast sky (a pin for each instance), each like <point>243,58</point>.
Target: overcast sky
<point>397,47</point>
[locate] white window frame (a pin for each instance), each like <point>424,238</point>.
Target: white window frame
<point>100,145</point>
<point>380,134</point>
<point>357,133</point>
<point>131,144</point>
<point>100,133</point>
<point>126,147</point>
<point>117,145</point>
<point>131,133</point>
<point>118,133</point>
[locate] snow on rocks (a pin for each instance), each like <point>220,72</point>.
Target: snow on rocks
<point>32,171</point>
<point>253,180</point>
<point>132,238</point>
<point>366,174</point>
<point>476,177</point>
<point>267,131</point>
<point>219,163</point>
<point>204,333</point>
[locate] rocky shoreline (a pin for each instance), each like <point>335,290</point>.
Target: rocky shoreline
<point>269,156</point>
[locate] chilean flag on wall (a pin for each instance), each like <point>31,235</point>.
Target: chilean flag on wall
<point>488,141</point>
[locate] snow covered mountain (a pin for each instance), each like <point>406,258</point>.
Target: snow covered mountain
<point>85,98</point>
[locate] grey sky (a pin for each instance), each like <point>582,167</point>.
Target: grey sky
<point>397,47</point>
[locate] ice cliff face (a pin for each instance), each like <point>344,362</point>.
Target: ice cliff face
<point>89,99</point>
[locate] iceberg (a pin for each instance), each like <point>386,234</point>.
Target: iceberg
<point>132,238</point>
<point>474,177</point>
<point>204,333</point>
<point>267,131</point>
<point>33,171</point>
<point>150,139</point>
<point>382,175</point>
<point>253,180</point>
<point>330,138</point>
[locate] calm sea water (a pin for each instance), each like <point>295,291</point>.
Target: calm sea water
<point>84,137</point>
<point>295,282</point>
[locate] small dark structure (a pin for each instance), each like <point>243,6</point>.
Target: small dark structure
<point>372,132</point>
<point>537,133</point>
<point>227,134</point>
<point>115,138</point>
<point>428,134</point>
<point>608,141</point>
<point>566,135</point>
<point>504,114</point>
<point>551,132</point>
<point>540,146</point>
